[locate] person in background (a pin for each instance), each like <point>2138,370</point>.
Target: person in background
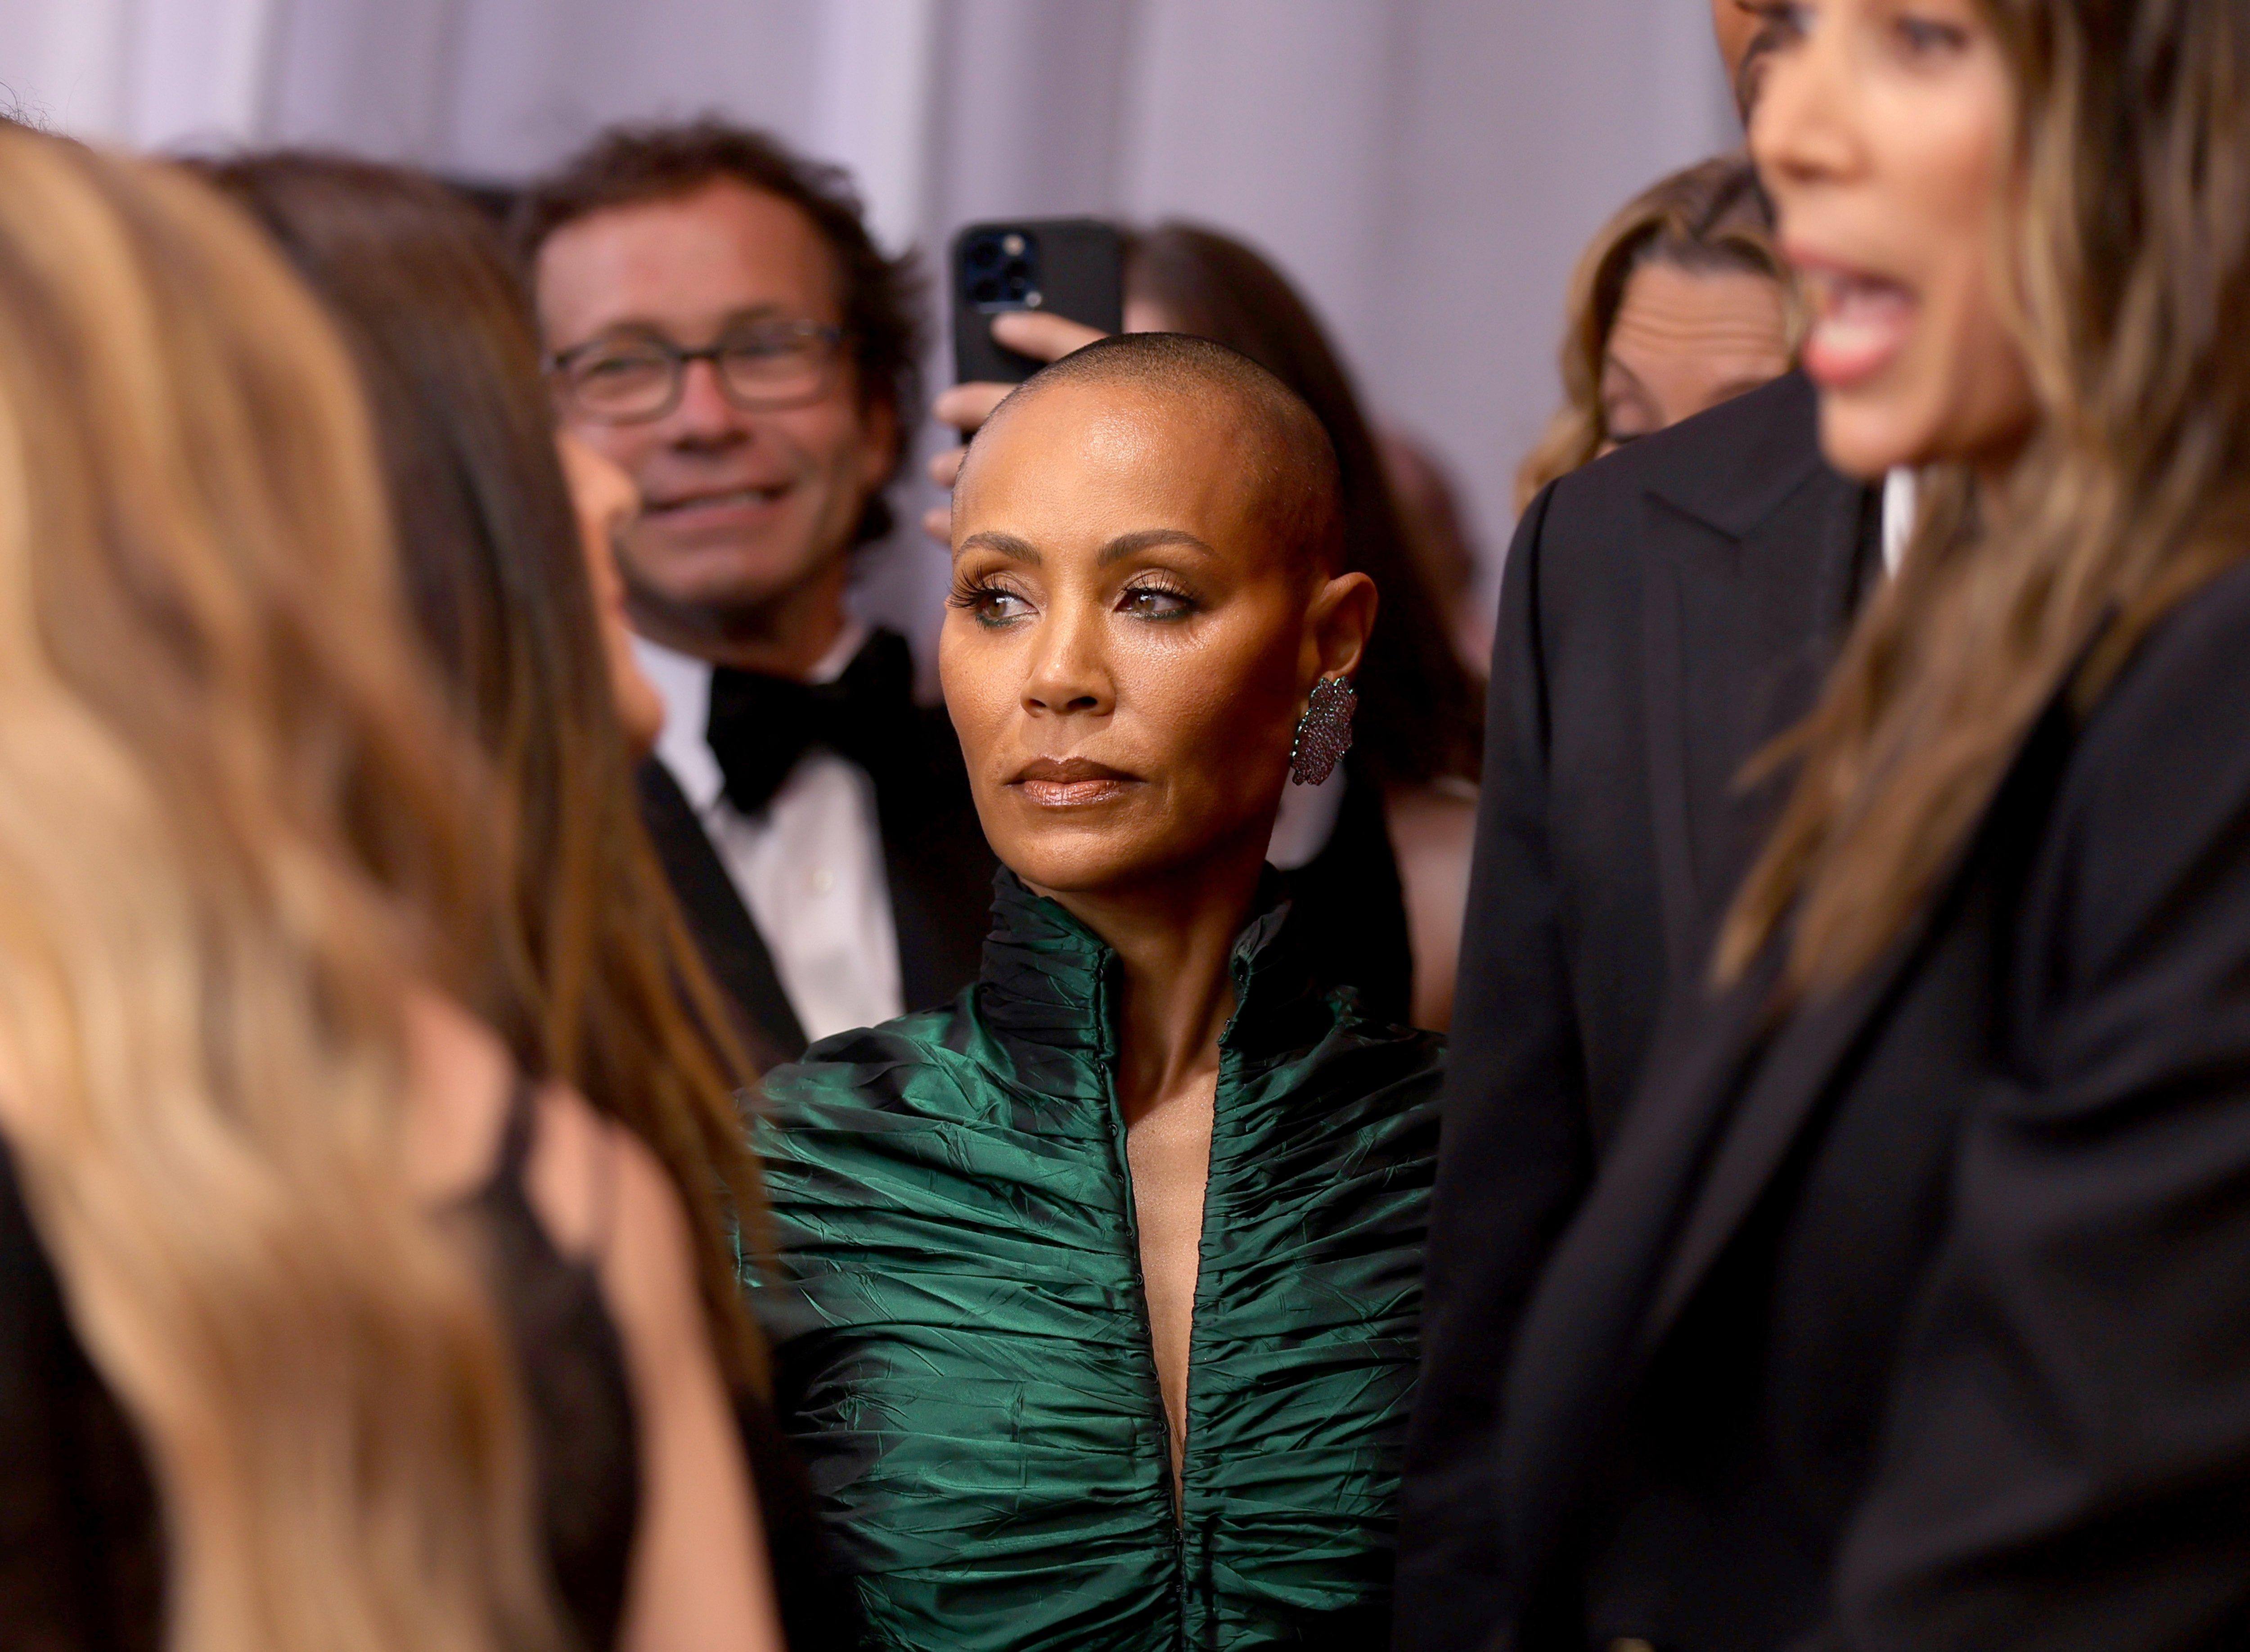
<point>1379,855</point>
<point>1678,304</point>
<point>496,549</point>
<point>1438,532</point>
<point>1096,1290</point>
<point>1666,611</point>
<point>1908,1309</point>
<point>326,1317</point>
<point>718,323</point>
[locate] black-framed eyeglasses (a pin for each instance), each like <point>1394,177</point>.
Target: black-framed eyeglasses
<point>638,376</point>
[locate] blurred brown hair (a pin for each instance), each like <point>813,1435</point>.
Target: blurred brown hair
<point>490,544</point>
<point>1709,217</point>
<point>1421,713</point>
<point>2130,236</point>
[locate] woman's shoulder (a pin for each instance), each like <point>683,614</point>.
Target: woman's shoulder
<point>1354,1026</point>
<point>2174,722</point>
<point>2148,824</point>
<point>903,1066</point>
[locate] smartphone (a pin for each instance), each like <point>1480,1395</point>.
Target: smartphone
<point>1075,267</point>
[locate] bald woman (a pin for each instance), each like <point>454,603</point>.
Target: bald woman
<point>1097,1293</point>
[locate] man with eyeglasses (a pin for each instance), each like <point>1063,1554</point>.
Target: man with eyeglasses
<point>718,320</point>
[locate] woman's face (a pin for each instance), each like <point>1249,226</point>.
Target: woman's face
<point>1687,340</point>
<point>607,503</point>
<point>1884,132</point>
<point>1128,648</point>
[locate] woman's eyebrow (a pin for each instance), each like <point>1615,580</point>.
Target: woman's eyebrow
<point>1146,539</point>
<point>1007,544</point>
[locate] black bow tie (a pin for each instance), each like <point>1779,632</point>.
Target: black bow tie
<point>760,725</point>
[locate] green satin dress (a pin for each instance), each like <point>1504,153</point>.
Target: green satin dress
<point>962,1344</point>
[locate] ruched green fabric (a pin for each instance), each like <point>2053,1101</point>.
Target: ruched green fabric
<point>963,1352</point>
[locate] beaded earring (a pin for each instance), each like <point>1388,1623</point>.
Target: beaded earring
<point>1323,733</point>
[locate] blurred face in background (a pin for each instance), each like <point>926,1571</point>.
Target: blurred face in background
<point>1883,133</point>
<point>608,506</point>
<point>743,507</point>
<point>1684,340</point>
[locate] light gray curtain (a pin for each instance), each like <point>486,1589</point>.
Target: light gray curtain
<point>1428,169</point>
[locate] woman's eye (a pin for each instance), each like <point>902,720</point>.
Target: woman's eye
<point>1779,23</point>
<point>1153,602</point>
<point>990,605</point>
<point>1926,37</point>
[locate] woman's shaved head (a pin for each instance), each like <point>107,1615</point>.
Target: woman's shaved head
<point>1293,463</point>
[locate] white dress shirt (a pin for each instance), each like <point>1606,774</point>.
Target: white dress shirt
<point>1306,822</point>
<point>1902,491</point>
<point>808,865</point>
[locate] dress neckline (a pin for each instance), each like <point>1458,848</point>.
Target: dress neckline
<point>1052,981</point>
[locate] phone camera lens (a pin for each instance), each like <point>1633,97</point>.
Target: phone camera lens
<point>983,254</point>
<point>986,291</point>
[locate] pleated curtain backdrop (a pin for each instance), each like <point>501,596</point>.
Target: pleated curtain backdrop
<point>1426,170</point>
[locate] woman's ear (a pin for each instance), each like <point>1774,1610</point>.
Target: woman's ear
<point>1336,627</point>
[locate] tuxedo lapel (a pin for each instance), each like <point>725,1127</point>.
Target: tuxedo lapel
<point>733,951</point>
<point>937,863</point>
<point>1748,582</point>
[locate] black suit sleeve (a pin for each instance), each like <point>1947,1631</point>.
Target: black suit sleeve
<point>2066,1462</point>
<point>1516,1151</point>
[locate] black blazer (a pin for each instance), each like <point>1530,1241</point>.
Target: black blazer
<point>938,867</point>
<point>1665,612</point>
<point>1921,1319</point>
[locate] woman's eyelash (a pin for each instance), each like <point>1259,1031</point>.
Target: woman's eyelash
<point>974,593</point>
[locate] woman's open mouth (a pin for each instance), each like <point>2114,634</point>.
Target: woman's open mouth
<point>1861,322</point>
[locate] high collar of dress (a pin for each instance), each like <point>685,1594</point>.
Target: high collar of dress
<point>1050,981</point>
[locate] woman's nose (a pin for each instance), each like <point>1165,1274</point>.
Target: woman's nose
<point>1068,675</point>
<point>1803,129</point>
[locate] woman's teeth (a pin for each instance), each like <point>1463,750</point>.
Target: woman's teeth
<point>1859,323</point>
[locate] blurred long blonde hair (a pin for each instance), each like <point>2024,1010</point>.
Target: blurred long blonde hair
<point>222,791</point>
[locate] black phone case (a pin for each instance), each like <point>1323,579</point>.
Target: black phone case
<point>1080,270</point>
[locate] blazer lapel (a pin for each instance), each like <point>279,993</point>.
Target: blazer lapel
<point>1756,1131</point>
<point>1729,1095</point>
<point>1571,1369</point>
<point>1750,578</point>
<point>1797,1068</point>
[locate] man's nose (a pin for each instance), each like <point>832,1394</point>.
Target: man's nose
<point>704,414</point>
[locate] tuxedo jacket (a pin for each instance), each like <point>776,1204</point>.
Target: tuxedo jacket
<point>936,863</point>
<point>1665,612</point>
<point>1919,1317</point>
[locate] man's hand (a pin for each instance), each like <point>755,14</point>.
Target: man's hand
<point>1044,338</point>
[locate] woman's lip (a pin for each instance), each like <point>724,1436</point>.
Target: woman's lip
<point>1861,321</point>
<point>1074,794</point>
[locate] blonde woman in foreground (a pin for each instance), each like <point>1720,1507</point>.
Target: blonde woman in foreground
<point>291,1256</point>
